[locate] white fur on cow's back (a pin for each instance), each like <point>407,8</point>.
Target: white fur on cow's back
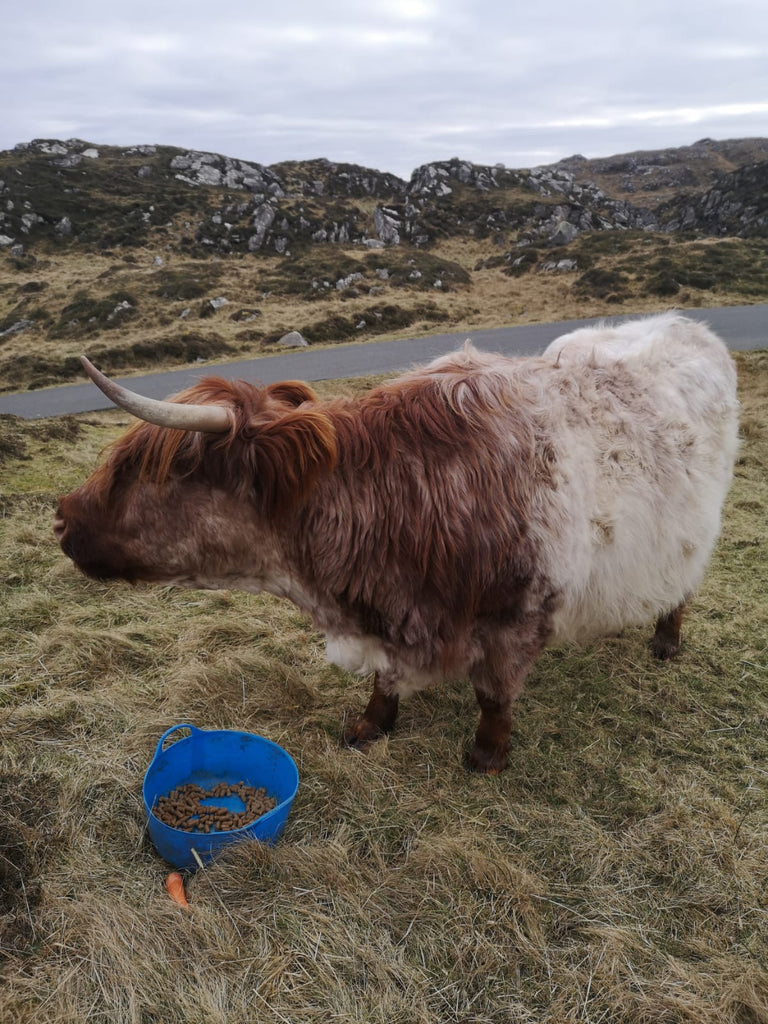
<point>696,360</point>
<point>639,509</point>
<point>643,421</point>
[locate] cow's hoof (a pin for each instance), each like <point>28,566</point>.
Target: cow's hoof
<point>362,733</point>
<point>664,648</point>
<point>485,762</point>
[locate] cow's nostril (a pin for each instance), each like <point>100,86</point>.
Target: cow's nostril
<point>59,526</point>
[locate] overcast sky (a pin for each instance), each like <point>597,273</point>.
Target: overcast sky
<point>389,84</point>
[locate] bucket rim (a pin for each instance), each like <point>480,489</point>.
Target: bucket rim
<point>209,733</point>
<point>263,818</point>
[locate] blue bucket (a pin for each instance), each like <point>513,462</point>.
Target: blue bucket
<point>207,757</point>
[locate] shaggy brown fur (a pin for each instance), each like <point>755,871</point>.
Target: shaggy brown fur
<point>401,515</point>
<point>272,451</point>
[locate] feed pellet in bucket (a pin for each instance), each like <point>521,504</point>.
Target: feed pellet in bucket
<point>183,807</point>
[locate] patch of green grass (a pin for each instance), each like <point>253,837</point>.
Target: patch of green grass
<point>612,243</point>
<point>33,287</point>
<point>108,205</point>
<point>620,264</point>
<point>15,434</point>
<point>33,371</point>
<point>469,212</point>
<point>312,273</point>
<point>316,273</point>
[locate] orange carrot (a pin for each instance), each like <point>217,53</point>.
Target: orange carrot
<point>174,883</point>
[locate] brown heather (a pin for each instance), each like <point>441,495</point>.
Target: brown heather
<point>616,872</point>
<point>616,273</point>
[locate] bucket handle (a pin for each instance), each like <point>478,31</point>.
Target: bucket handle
<point>168,732</point>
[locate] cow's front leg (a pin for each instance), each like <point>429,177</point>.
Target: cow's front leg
<point>489,754</point>
<point>498,678</point>
<point>666,640</point>
<point>377,719</point>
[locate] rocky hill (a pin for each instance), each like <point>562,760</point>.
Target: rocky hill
<point>650,178</point>
<point>150,256</point>
<point>74,193</point>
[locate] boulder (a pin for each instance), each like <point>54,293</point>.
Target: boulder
<point>119,310</point>
<point>30,220</point>
<point>346,282</point>
<point>17,328</point>
<point>293,339</point>
<point>564,233</point>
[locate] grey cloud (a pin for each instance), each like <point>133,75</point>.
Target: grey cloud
<point>388,84</point>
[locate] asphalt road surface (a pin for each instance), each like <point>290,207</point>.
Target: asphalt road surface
<point>741,327</point>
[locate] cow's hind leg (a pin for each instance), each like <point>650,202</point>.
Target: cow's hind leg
<point>377,719</point>
<point>666,640</point>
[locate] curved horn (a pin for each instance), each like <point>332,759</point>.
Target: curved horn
<point>211,419</point>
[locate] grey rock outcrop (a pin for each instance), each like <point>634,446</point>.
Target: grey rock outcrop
<point>236,206</point>
<point>736,205</point>
<point>387,225</point>
<point>262,221</point>
<point>120,309</point>
<point>435,179</point>
<point>197,169</point>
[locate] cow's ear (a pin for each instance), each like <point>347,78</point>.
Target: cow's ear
<point>293,392</point>
<point>288,454</point>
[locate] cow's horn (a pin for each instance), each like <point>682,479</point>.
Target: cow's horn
<point>212,419</point>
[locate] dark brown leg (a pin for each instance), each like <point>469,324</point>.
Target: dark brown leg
<point>666,640</point>
<point>489,754</point>
<point>377,719</point>
<point>497,680</point>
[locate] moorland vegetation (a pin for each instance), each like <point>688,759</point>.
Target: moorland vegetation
<point>616,872</point>
<point>151,258</point>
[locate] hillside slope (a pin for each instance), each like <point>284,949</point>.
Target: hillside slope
<point>151,256</point>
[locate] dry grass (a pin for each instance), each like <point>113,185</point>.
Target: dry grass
<point>616,872</point>
<point>70,298</point>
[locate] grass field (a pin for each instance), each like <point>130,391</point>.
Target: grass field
<point>616,872</point>
<point>127,313</point>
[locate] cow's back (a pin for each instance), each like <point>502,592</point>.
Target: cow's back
<point>646,417</point>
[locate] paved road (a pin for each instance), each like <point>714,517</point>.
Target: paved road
<point>742,327</point>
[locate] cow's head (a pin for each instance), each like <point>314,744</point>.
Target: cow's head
<point>193,493</point>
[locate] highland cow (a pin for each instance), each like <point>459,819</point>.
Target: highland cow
<point>450,523</point>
